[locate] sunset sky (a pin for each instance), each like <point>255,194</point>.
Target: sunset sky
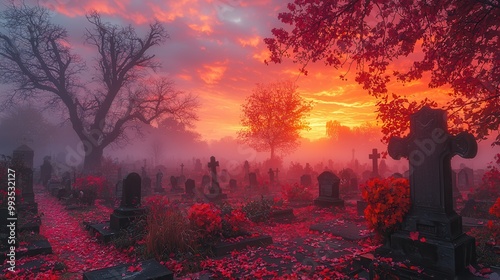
<point>216,51</point>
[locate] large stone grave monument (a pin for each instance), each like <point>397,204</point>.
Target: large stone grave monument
<point>328,190</point>
<point>446,251</point>
<point>130,203</point>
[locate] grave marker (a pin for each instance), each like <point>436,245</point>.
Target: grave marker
<point>429,148</point>
<point>328,190</point>
<point>374,156</point>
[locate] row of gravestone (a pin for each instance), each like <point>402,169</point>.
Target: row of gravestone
<point>14,220</point>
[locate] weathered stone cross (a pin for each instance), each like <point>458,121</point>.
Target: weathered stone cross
<point>213,168</point>
<point>374,156</point>
<point>429,149</point>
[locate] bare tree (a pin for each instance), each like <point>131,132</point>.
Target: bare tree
<point>36,57</point>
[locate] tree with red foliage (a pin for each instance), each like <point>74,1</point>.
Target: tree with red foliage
<point>456,42</point>
<point>273,117</point>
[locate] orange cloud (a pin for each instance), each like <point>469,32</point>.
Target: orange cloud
<point>212,74</point>
<point>253,41</point>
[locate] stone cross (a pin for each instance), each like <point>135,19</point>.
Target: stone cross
<point>374,156</point>
<point>429,149</point>
<point>213,168</point>
<point>182,168</point>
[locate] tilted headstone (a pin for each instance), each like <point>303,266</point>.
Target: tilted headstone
<point>328,190</point>
<point>305,180</point>
<point>429,149</point>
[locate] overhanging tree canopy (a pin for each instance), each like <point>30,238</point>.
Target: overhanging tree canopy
<point>458,40</point>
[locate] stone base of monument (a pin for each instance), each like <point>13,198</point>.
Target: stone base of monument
<point>224,248</point>
<point>150,270</point>
<point>122,217</point>
<point>102,232</point>
<point>329,202</point>
<point>439,258</point>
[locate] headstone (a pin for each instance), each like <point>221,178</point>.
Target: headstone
<point>146,186</point>
<point>246,169</point>
<point>397,175</point>
<point>224,176</point>
<point>130,203</point>
<point>252,179</point>
<point>198,166</point>
<point>190,187</point>
<point>215,191</point>
<point>374,156</point>
<point>271,175</point>
<point>447,251</point>
<point>233,185</point>
<point>173,183</point>
<point>131,193</point>
<point>328,190</point>
<point>119,189</point>
<point>465,178</point>
<point>305,180</point>
<point>181,180</point>
<point>45,171</point>
<point>159,179</point>
<point>277,171</point>
<point>205,181</point>
<point>24,177</point>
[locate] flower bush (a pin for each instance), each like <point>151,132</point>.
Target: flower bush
<point>206,219</point>
<point>234,223</point>
<point>388,202</point>
<point>296,193</point>
<point>97,184</point>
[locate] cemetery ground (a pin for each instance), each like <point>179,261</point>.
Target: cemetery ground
<point>314,243</point>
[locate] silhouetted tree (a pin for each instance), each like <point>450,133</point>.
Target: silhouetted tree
<point>458,40</point>
<point>37,58</point>
<point>273,116</point>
